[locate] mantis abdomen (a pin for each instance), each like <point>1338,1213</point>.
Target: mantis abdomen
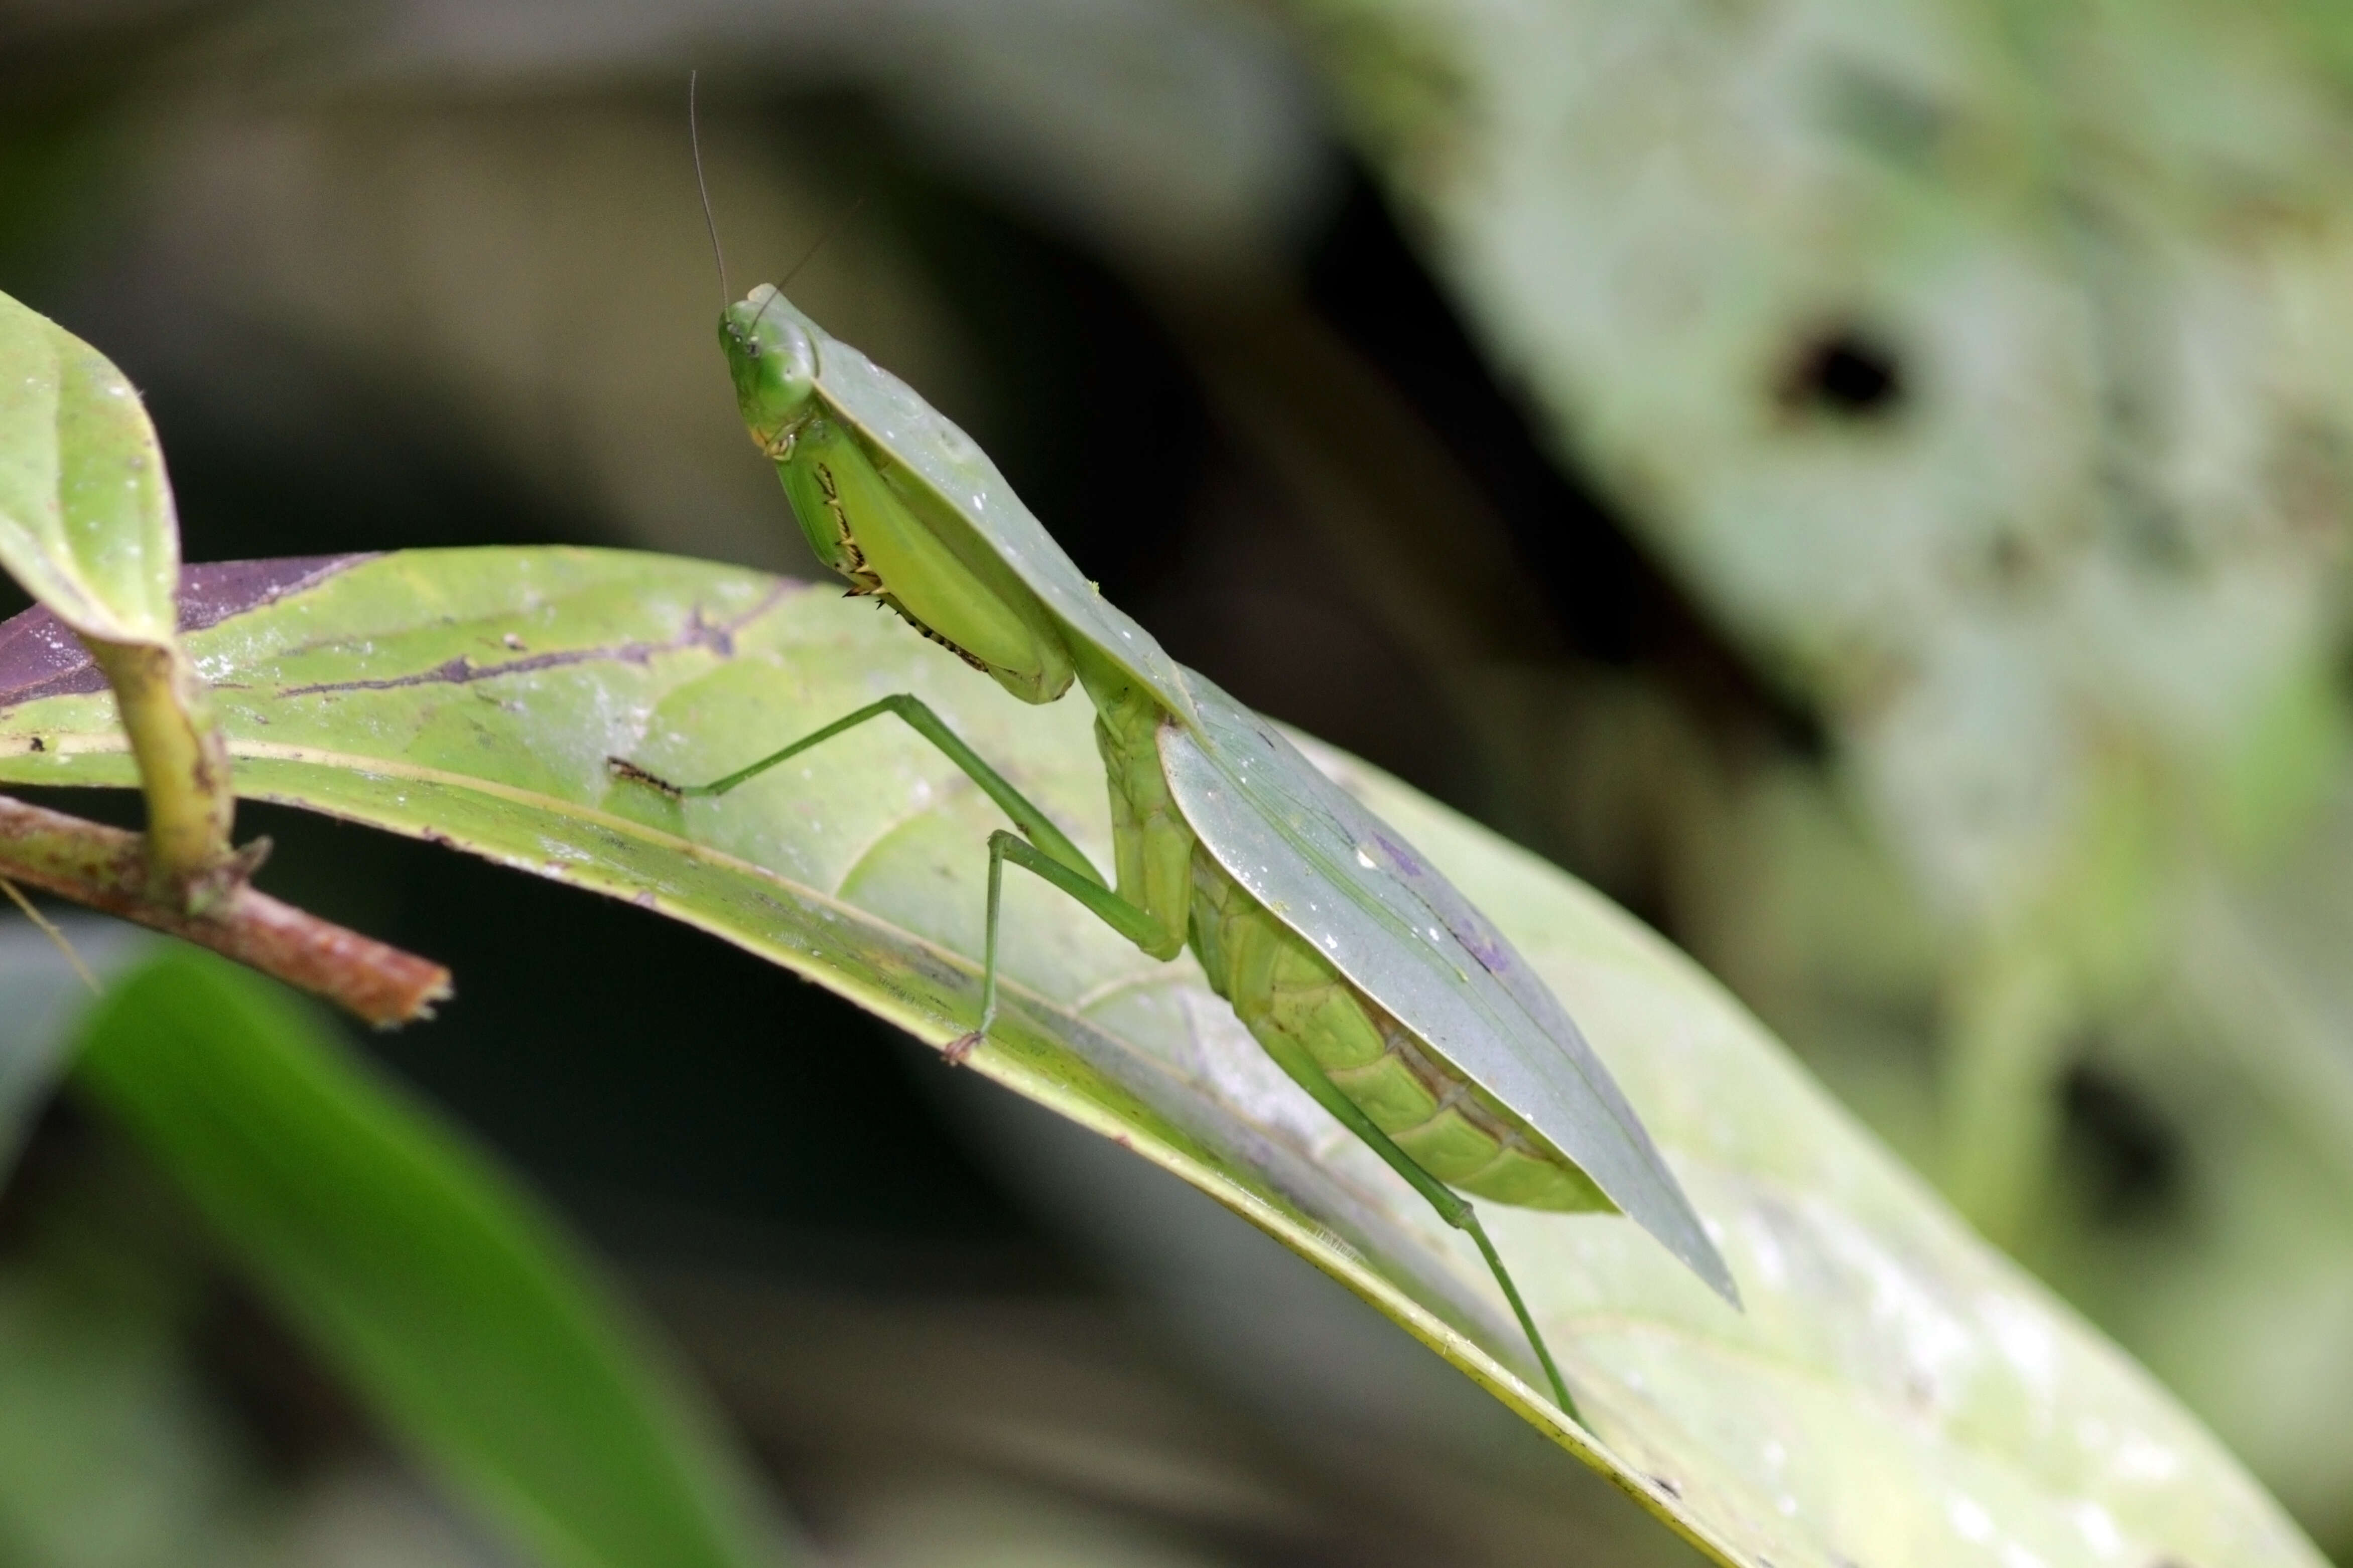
<point>1287,995</point>
<point>1306,1014</point>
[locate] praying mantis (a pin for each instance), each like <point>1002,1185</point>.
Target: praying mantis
<point>1370,980</point>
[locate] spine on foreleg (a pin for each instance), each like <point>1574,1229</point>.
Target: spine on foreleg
<point>1280,987</point>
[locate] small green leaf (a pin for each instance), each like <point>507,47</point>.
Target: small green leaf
<point>449,1300</point>
<point>87,527</point>
<point>1896,1393</point>
<point>86,520</point>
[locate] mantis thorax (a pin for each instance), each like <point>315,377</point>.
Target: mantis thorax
<point>868,520</point>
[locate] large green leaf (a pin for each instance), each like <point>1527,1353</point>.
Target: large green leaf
<point>446,1299</point>
<point>1895,1393</point>
<point>86,521</point>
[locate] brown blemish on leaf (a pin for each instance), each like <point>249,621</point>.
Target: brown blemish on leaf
<point>698,633</point>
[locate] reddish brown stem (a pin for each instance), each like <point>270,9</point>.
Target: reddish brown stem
<point>106,869</point>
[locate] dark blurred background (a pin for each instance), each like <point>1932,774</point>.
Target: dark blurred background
<point>427,273</point>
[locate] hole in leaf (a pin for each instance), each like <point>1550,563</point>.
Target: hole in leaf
<point>1848,373</point>
<point>2129,1155</point>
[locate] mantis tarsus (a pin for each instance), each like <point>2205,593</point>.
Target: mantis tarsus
<point>1369,980</point>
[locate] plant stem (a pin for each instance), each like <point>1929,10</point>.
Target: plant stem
<point>184,768</point>
<point>107,870</point>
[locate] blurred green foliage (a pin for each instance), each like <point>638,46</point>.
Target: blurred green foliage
<point>459,1313</point>
<point>438,1296</point>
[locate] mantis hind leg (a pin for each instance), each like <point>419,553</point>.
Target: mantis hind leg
<point>1451,1206</point>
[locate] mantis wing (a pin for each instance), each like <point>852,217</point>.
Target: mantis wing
<point>919,448</point>
<point>1348,885</point>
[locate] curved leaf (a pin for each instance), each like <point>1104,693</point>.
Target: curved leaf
<point>1895,1393</point>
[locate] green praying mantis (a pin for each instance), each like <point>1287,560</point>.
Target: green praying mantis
<point>1374,984</point>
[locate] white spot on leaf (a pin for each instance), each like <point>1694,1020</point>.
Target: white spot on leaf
<point>1968,1518</point>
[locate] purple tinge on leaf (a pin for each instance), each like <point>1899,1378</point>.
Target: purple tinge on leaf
<point>40,655</point>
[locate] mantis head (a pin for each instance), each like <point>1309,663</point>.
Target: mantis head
<point>773,363</point>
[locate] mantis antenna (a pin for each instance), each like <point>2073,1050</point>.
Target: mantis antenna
<point>694,140</point>
<point>702,187</point>
<point>806,257</point>
<point>833,229</point>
